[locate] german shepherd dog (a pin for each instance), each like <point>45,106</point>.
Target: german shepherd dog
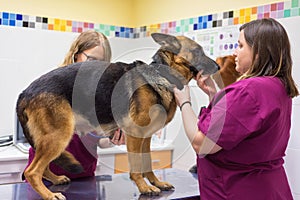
<point>98,96</point>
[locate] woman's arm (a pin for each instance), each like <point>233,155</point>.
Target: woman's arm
<point>200,143</point>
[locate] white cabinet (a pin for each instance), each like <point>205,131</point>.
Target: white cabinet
<point>12,164</point>
<point>114,160</point>
<point>105,164</point>
<point>13,161</point>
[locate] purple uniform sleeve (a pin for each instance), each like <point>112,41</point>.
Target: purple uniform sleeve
<point>232,115</point>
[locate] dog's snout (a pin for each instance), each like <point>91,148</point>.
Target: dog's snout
<point>207,65</point>
<point>218,66</point>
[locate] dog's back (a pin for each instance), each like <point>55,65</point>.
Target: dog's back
<point>78,84</point>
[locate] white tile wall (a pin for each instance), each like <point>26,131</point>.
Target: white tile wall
<point>294,142</point>
<point>292,166</point>
<point>296,197</point>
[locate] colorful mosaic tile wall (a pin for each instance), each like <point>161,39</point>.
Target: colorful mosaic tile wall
<point>276,10</point>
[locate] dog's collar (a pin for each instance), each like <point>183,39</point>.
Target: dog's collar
<point>161,75</point>
<point>192,68</point>
<point>95,135</point>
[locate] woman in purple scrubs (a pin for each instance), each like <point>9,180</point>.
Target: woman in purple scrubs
<point>241,137</point>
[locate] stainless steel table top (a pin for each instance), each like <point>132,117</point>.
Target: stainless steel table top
<point>110,187</point>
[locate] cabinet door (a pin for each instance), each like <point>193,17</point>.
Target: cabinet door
<point>11,171</point>
<point>160,160</point>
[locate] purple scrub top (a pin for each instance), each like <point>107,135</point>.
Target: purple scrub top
<point>251,121</point>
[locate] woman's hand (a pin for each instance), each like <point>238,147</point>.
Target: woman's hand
<point>206,84</point>
<point>182,95</point>
<point>118,138</point>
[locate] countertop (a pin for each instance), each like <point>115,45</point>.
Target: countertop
<point>11,153</point>
<point>111,187</point>
<point>167,145</point>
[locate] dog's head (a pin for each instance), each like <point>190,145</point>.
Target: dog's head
<point>187,49</point>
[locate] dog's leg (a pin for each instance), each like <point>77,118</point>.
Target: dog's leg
<point>45,153</point>
<point>51,128</point>
<point>34,174</point>
<point>149,173</point>
<point>140,163</point>
<point>155,181</point>
<point>56,180</point>
<point>66,161</point>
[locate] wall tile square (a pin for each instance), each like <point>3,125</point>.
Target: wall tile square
<point>282,9</point>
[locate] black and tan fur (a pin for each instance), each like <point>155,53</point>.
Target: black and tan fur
<point>101,96</point>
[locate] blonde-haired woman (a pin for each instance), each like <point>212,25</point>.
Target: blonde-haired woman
<point>89,45</point>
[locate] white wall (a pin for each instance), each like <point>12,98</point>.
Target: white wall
<point>24,55</point>
<point>129,50</point>
<point>292,158</point>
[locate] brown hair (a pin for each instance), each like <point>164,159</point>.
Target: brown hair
<point>87,40</point>
<point>271,52</point>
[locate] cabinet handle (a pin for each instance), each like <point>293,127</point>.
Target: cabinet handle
<point>156,161</point>
<point>8,173</point>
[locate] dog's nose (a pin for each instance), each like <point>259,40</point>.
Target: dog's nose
<point>218,66</point>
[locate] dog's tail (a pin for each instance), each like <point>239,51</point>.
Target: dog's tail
<point>22,117</point>
<point>69,163</point>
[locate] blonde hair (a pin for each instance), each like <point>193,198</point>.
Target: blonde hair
<point>87,40</point>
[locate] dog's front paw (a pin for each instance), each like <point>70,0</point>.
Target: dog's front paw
<point>164,186</point>
<point>150,190</point>
<point>61,180</point>
<point>56,196</point>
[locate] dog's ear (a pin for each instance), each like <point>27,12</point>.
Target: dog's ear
<point>167,42</point>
